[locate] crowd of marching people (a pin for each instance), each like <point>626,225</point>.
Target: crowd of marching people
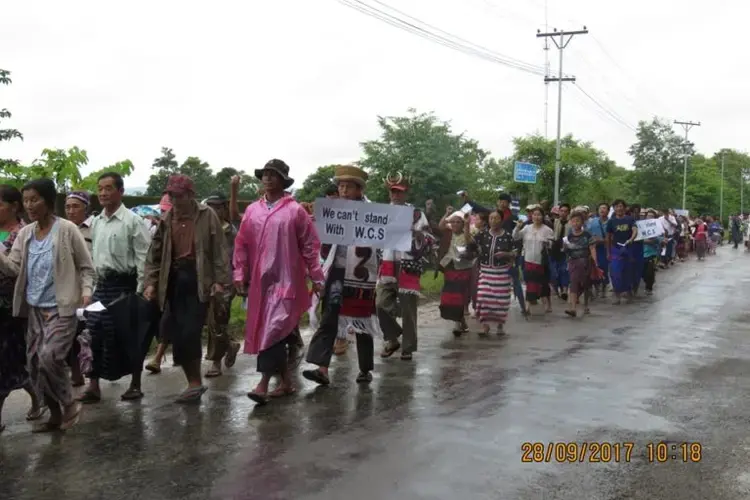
<point>170,275</point>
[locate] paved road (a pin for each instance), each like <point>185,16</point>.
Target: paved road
<point>451,424</point>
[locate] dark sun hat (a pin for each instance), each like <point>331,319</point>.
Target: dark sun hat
<point>280,168</point>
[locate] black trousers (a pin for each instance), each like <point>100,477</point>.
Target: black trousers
<point>649,272</point>
<point>320,350</point>
<point>185,314</point>
<point>274,359</point>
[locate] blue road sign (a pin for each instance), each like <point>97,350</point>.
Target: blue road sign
<point>525,172</point>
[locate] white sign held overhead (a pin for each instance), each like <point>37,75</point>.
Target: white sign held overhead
<point>356,223</point>
<point>649,228</point>
<point>466,209</point>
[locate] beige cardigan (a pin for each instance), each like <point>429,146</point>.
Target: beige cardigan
<point>74,271</point>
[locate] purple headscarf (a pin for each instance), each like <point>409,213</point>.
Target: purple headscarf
<point>81,196</point>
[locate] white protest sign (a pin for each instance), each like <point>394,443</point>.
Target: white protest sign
<point>356,223</point>
<point>681,213</point>
<point>649,228</point>
<point>466,209</point>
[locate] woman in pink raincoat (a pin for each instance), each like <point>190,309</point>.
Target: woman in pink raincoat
<point>276,248</point>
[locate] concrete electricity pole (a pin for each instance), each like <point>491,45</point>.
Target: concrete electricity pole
<point>564,39</point>
<point>687,126</point>
<point>721,196</point>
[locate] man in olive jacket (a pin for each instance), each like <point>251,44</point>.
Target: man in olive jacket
<point>186,265</point>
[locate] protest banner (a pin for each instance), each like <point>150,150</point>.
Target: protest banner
<point>649,228</point>
<point>361,224</point>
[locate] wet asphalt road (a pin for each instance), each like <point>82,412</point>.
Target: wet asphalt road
<point>450,424</point>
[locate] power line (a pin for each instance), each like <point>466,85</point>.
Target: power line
<point>457,43</point>
<point>608,111</point>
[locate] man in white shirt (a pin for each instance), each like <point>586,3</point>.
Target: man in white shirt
<point>120,242</point>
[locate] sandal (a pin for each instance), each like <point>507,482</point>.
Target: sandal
<point>390,348</point>
<point>406,356</point>
<point>132,394</point>
<point>213,373</point>
<point>258,398</point>
<point>153,368</point>
<point>570,313</point>
<point>231,357</point>
<point>45,427</point>
<point>89,397</point>
<point>316,376</point>
<point>191,395</point>
<point>364,378</point>
<point>73,419</point>
<point>36,414</point>
<point>281,392</point>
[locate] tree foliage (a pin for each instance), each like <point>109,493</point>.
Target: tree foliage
<point>438,160</point>
<point>316,184</point>
<point>658,159</point>
<point>7,134</point>
<point>206,182</point>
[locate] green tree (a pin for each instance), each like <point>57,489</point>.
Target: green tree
<point>6,134</point>
<point>585,172</point>
<point>658,159</point>
<point>90,182</point>
<point>248,183</point>
<point>438,161</point>
<point>164,166</point>
<point>316,184</point>
<point>60,165</point>
<point>200,172</point>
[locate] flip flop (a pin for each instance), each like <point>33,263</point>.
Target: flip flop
<point>191,395</point>
<point>32,415</point>
<point>259,399</point>
<point>316,376</point>
<point>69,423</point>
<point>153,368</point>
<point>231,357</point>
<point>2,428</point>
<point>89,397</point>
<point>132,394</point>
<point>390,349</point>
<point>213,373</point>
<point>280,392</point>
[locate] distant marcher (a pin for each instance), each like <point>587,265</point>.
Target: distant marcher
<point>621,231</point>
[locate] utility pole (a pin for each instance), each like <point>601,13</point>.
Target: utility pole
<point>546,73</point>
<point>721,196</point>
<point>565,38</point>
<point>687,126</point>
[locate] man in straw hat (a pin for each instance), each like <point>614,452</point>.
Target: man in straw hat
<point>349,297</point>
<point>398,282</point>
<point>276,249</point>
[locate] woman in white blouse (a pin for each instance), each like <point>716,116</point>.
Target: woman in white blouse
<point>536,240</point>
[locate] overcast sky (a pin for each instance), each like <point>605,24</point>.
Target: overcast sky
<point>239,82</point>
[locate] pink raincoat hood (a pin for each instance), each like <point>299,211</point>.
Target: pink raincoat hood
<point>275,250</point>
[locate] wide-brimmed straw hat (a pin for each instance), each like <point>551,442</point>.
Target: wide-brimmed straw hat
<point>350,173</point>
<point>280,168</point>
